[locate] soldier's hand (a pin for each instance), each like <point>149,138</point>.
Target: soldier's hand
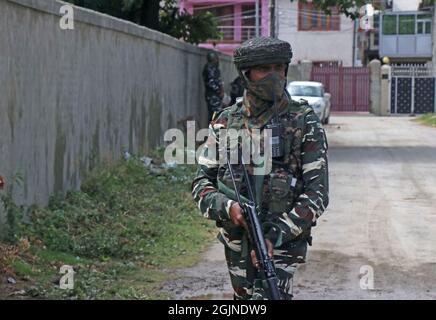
<point>270,248</point>
<point>237,217</point>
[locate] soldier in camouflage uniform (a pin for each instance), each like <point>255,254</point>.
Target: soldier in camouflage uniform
<point>291,197</point>
<point>214,91</point>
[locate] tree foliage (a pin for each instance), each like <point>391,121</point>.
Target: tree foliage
<point>427,3</point>
<point>348,7</point>
<point>351,7</point>
<point>191,28</point>
<point>163,16</point>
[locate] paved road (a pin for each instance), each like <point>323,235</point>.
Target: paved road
<point>381,217</point>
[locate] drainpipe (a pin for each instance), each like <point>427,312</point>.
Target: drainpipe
<point>354,43</point>
<point>272,9</point>
<point>257,18</point>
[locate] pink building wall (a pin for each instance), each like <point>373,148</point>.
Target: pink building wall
<point>227,47</point>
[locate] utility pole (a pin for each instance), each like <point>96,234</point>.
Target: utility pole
<point>272,18</point>
<point>257,18</point>
<point>354,43</point>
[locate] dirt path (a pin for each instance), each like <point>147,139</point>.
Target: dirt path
<point>382,216</point>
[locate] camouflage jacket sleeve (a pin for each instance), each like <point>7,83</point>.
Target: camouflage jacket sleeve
<point>212,79</point>
<point>314,199</point>
<point>213,204</point>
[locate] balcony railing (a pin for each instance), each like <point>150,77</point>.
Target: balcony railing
<point>232,34</point>
<point>412,70</point>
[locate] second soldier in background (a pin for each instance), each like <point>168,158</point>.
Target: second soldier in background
<point>214,91</point>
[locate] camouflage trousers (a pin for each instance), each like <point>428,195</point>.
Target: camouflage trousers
<point>245,278</point>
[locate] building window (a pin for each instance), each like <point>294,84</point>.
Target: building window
<point>311,19</point>
<point>406,24</point>
<point>420,27</point>
<point>248,18</point>
<point>228,17</point>
<point>224,16</point>
<point>376,21</point>
<point>428,27</point>
<point>423,23</point>
<point>376,27</point>
<point>389,24</point>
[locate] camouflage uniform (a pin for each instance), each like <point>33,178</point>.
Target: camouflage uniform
<point>237,89</point>
<point>213,84</point>
<point>290,198</point>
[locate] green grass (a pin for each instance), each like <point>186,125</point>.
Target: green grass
<point>48,256</point>
<point>22,268</point>
<point>428,119</point>
<point>119,231</point>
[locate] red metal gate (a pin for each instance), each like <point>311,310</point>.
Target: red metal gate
<point>348,86</point>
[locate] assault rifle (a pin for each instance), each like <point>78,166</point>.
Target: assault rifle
<point>255,234</point>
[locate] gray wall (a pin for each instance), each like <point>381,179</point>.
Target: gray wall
<point>301,71</point>
<point>71,98</point>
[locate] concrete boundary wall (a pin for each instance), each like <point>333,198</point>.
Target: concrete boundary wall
<point>70,98</point>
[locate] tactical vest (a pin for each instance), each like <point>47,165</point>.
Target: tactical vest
<point>277,191</point>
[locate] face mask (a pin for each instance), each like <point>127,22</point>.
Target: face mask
<point>269,88</point>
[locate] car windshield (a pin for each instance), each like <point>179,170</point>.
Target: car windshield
<point>306,91</point>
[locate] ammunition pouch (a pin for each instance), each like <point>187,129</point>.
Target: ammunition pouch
<point>281,192</point>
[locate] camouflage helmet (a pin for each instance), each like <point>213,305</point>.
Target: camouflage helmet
<point>262,50</point>
<point>212,56</point>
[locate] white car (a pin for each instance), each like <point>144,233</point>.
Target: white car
<point>314,93</point>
